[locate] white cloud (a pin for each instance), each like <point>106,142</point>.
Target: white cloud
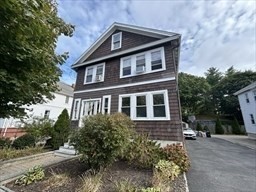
<point>214,33</point>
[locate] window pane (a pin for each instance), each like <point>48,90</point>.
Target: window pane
<point>126,71</point>
<point>140,60</point>
<point>89,78</point>
<point>159,111</point>
<point>158,99</point>
<point>127,62</point>
<point>141,112</point>
<point>126,110</point>
<point>106,102</point>
<point>99,70</point>
<point>141,100</point>
<point>156,55</point>
<point>155,67</point>
<point>126,101</point>
<point>89,71</point>
<point>116,45</point>
<point>116,37</point>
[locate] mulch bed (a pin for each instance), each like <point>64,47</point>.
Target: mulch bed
<point>119,171</point>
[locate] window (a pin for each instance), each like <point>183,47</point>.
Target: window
<point>141,107</point>
<point>158,105</point>
<point>252,119</point>
<point>146,62</point>
<point>247,98</point>
<point>140,64</point>
<point>47,114</point>
<point>94,74</point>
<point>126,105</point>
<point>106,104</point>
<point>126,67</point>
<point>145,106</point>
<point>76,109</point>
<point>116,41</point>
<point>67,99</point>
<point>90,107</point>
<point>254,93</point>
<point>156,60</point>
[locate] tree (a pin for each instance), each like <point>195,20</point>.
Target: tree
<point>213,76</point>
<point>61,130</point>
<point>29,69</point>
<point>236,129</point>
<point>193,93</point>
<point>199,127</point>
<point>218,127</point>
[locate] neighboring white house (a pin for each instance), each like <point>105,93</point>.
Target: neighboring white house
<point>247,100</point>
<point>51,109</point>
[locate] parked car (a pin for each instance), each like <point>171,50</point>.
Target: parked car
<point>189,133</point>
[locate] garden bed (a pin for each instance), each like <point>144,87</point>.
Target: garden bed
<point>73,171</point>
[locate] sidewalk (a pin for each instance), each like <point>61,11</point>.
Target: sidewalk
<point>11,169</point>
<point>238,139</point>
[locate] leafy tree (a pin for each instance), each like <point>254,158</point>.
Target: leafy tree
<point>218,127</point>
<point>236,129</point>
<point>61,130</point>
<point>193,93</point>
<point>29,69</point>
<point>199,127</point>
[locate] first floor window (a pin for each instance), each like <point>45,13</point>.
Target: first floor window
<point>159,105</point>
<point>106,104</point>
<point>252,119</point>
<point>146,106</point>
<point>126,105</point>
<point>90,107</point>
<point>76,109</point>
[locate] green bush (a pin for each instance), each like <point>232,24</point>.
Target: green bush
<point>167,169</point>
<point>236,129</point>
<point>143,152</point>
<point>218,127</point>
<point>24,141</point>
<point>61,130</point>
<point>34,174</point>
<point>151,189</point>
<point>5,143</point>
<point>177,154</point>
<point>206,128</point>
<point>199,127</point>
<point>102,138</point>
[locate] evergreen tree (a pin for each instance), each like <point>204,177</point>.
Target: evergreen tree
<point>218,127</point>
<point>61,130</point>
<point>199,127</point>
<point>236,129</point>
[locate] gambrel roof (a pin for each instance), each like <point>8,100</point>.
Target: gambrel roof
<point>163,36</point>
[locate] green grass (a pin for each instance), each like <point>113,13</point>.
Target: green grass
<point>10,153</point>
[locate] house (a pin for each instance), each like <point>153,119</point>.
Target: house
<point>133,70</point>
<point>247,101</point>
<point>50,109</point>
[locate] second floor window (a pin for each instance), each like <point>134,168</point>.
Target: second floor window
<point>252,119</point>
<point>146,62</point>
<point>94,74</point>
<point>247,98</point>
<point>116,41</point>
<point>254,93</point>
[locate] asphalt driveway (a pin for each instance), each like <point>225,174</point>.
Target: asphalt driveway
<point>221,166</point>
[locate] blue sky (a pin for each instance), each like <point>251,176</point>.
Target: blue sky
<point>218,33</point>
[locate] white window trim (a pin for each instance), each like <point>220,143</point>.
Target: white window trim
<point>112,41</point>
<point>147,65</point>
<point>103,103</point>
<point>150,112</point>
<point>82,105</point>
<point>94,73</point>
<point>78,109</point>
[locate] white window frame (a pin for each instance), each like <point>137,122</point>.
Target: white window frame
<point>247,100</point>
<point>149,105</point>
<point>254,94</point>
<point>47,115</point>
<point>112,41</point>
<point>103,104</point>
<point>78,109</point>
<point>252,119</point>
<point>85,100</point>
<point>147,64</point>
<point>94,67</point>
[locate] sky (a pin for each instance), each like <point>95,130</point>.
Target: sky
<point>218,33</point>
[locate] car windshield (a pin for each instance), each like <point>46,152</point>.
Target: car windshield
<point>187,129</point>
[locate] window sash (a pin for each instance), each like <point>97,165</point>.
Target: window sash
<point>93,72</point>
<point>116,41</point>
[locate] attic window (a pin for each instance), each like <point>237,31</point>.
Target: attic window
<point>116,41</point>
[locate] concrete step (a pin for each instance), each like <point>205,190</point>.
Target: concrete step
<point>67,151</point>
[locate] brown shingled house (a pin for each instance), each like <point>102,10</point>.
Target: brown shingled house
<point>133,70</point>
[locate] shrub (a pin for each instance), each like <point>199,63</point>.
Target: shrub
<point>61,130</point>
<point>24,141</point>
<point>167,169</point>
<point>206,128</point>
<point>177,154</point>
<point>218,127</point>
<point>102,138</point>
<point>143,152</point>
<point>199,127</point>
<point>125,186</point>
<point>10,153</point>
<point>34,174</point>
<point>236,129</point>
<point>151,189</point>
<point>5,143</point>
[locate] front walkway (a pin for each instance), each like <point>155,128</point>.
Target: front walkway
<point>11,169</point>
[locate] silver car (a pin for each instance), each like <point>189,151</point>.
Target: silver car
<point>189,133</point>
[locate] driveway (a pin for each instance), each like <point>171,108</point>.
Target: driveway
<point>221,166</point>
